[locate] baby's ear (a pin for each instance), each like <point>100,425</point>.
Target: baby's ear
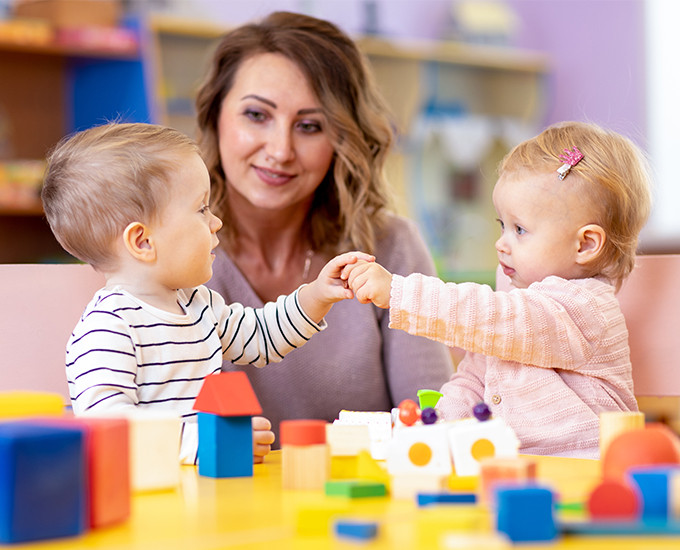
<point>592,238</point>
<point>138,242</point>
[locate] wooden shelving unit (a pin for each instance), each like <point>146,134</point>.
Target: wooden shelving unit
<point>51,90</point>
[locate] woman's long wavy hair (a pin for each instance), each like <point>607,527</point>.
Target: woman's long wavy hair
<point>349,204</point>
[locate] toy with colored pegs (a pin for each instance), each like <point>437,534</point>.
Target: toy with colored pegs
<point>409,413</point>
<point>481,411</point>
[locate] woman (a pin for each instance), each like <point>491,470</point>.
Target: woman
<point>295,136</point>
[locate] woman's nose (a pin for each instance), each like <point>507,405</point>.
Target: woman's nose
<point>280,145</point>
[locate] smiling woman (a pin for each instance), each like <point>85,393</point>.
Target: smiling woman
<point>295,136</point>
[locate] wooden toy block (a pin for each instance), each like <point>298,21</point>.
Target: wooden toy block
<point>18,404</point>
<point>370,469</point>
<point>347,439</point>
<point>472,441</point>
<point>497,470</point>
<point>420,449</point>
<point>526,514</point>
<point>613,500</point>
<point>355,488</point>
<point>226,405</point>
<point>356,529</point>
<point>221,445</point>
<point>655,484</point>
<point>318,520</point>
<point>344,467</point>
<point>108,465</point>
<point>409,485</point>
<point>654,444</point>
<point>613,423</point>
<point>379,428</point>
<point>305,459</point>
<point>154,449</point>
<point>42,482</point>
<point>427,499</point>
<point>228,394</point>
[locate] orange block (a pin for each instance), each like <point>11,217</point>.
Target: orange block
<point>503,470</point>
<point>656,443</point>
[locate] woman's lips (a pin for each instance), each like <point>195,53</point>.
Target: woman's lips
<point>272,177</point>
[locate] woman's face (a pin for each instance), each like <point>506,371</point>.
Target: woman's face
<point>273,138</point>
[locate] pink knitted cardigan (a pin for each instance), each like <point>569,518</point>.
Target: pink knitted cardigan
<point>548,359</point>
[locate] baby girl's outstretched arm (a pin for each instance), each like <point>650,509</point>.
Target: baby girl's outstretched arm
<point>370,282</point>
<point>317,297</point>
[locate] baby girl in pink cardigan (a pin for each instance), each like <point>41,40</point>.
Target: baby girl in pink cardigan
<point>551,354</point>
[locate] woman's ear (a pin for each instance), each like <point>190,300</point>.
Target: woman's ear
<point>591,242</point>
<point>138,242</point>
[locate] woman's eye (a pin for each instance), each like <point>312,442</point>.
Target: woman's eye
<point>254,115</point>
<point>309,127</point>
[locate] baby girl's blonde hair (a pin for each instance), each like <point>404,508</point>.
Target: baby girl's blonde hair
<point>614,174</point>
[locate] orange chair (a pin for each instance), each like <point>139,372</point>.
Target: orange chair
<point>41,305</point>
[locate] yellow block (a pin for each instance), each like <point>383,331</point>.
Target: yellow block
<point>317,520</point>
<point>343,467</point>
<point>17,404</point>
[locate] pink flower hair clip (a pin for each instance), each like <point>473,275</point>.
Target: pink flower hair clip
<point>570,159</point>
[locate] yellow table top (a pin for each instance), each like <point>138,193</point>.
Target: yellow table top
<point>250,513</point>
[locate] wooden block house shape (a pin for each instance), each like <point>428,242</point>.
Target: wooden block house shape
<point>226,405</point>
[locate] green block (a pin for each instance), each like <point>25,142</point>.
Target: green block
<point>355,488</point>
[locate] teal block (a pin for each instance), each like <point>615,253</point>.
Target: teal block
<point>225,445</point>
<point>42,482</point>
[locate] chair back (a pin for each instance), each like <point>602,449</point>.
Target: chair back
<point>650,301</point>
<point>41,305</point>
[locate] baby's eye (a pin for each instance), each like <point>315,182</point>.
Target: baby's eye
<point>520,230</point>
<point>500,222</point>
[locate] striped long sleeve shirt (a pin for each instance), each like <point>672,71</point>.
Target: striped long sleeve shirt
<point>125,354</point>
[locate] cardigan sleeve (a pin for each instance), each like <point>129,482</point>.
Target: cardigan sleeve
<point>554,323</point>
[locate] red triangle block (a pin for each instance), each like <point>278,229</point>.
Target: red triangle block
<point>228,394</point>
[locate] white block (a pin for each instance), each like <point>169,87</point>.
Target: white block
<point>154,450</point>
<point>410,448</point>
<point>379,428</point>
<point>471,440</point>
<point>347,439</point>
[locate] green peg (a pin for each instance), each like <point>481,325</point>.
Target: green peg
<point>428,398</point>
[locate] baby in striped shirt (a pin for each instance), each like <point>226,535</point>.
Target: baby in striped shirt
<point>132,200</point>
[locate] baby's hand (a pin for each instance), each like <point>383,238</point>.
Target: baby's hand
<point>370,282</point>
<point>263,437</point>
<point>317,297</point>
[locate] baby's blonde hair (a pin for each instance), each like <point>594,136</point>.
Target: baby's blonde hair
<point>100,180</point>
<point>614,174</point>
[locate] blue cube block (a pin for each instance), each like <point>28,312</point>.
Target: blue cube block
<point>225,445</point>
<point>654,484</point>
<point>526,513</point>
<point>42,482</point>
<point>356,529</point>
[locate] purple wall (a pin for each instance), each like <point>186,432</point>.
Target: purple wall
<point>598,56</point>
<point>596,46</point>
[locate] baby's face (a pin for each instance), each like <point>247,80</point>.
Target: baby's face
<point>185,234</point>
<point>540,218</point>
